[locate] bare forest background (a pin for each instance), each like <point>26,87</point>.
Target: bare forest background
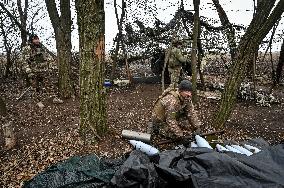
<point>233,61</point>
<point>140,39</point>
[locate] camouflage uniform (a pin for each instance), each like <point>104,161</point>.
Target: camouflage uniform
<point>172,116</point>
<point>34,64</point>
<point>175,65</point>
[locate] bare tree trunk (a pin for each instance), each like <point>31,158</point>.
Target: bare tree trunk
<point>269,47</point>
<point>200,56</point>
<point>62,29</point>
<point>3,109</point>
<point>23,18</point>
<point>253,74</point>
<point>258,29</point>
<point>272,64</point>
<point>167,56</point>
<point>199,45</point>
<point>196,4</point>
<point>229,30</point>
<point>7,47</point>
<point>271,40</point>
<point>128,72</point>
<point>126,61</point>
<point>114,58</point>
<point>91,22</point>
<point>8,63</point>
<point>64,58</point>
<point>118,36</point>
<point>280,64</point>
<point>184,20</point>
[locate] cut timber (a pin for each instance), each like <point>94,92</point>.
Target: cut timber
<point>9,136</point>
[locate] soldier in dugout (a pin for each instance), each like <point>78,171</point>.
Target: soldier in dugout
<point>173,115</point>
<point>34,63</point>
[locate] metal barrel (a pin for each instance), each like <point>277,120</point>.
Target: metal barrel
<point>133,135</point>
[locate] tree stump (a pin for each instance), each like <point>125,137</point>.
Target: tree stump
<point>9,136</point>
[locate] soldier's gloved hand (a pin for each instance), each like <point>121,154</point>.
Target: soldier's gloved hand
<point>197,131</point>
<point>179,135</point>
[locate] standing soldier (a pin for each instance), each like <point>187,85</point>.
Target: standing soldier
<point>34,63</point>
<point>176,59</point>
<point>173,115</point>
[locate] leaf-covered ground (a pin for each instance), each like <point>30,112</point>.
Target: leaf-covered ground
<point>49,135</point>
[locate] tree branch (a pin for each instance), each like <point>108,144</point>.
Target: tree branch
<point>53,14</point>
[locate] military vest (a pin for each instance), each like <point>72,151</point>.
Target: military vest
<point>159,109</point>
<point>38,54</point>
<point>173,61</point>
<point>37,60</point>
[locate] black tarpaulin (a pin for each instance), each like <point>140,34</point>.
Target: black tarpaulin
<point>189,167</point>
<point>204,168</point>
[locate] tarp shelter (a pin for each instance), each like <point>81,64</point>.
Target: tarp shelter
<point>188,167</point>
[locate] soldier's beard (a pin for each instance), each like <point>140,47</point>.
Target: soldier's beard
<point>37,45</point>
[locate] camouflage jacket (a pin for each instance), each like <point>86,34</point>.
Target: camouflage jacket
<point>33,59</point>
<point>176,58</point>
<point>174,114</point>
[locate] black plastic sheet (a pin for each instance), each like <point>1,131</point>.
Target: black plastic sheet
<point>137,171</point>
<point>189,167</point>
<point>204,168</point>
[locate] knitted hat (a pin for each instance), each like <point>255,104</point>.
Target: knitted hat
<point>185,85</point>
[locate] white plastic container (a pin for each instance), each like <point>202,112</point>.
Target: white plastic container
<point>201,142</point>
<point>243,150</point>
<point>233,149</point>
<point>145,148</point>
<point>193,145</point>
<point>252,148</point>
<point>221,148</point>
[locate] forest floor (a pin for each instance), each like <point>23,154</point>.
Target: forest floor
<point>45,136</point>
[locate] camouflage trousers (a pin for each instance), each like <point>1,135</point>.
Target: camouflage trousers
<point>38,82</point>
<point>159,132</point>
<point>175,76</point>
<point>161,128</point>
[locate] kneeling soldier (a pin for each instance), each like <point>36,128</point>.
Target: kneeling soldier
<point>173,115</point>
